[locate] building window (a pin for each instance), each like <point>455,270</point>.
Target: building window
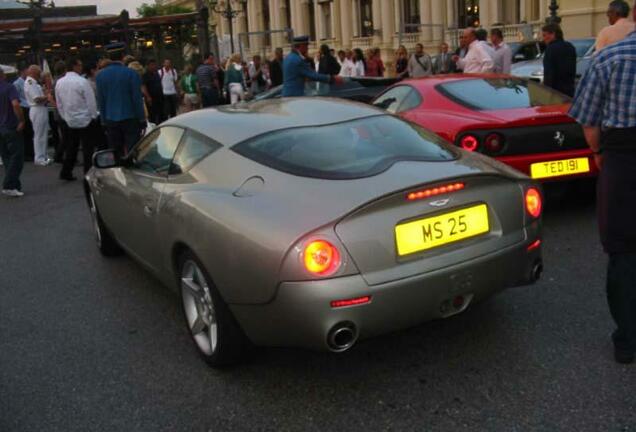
<point>411,13</point>
<point>325,10</point>
<point>468,13</point>
<point>312,21</point>
<point>366,18</point>
<point>288,22</point>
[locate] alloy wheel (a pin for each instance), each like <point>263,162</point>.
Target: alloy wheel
<point>199,308</point>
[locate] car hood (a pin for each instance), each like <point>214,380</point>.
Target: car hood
<point>528,68</point>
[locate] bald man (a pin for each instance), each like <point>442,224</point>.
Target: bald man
<point>39,115</point>
<point>478,59</point>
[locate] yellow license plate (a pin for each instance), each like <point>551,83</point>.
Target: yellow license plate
<point>559,168</point>
<point>440,230</point>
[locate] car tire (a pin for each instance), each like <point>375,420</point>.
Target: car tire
<point>106,243</point>
<point>214,330</point>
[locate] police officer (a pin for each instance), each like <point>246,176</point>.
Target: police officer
<point>605,107</point>
<point>39,114</point>
<point>296,70</point>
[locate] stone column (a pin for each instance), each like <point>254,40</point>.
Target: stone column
<point>304,16</point>
<point>255,23</point>
<point>426,18</point>
<point>335,22</point>
<point>437,12</point>
<point>523,10</point>
<point>451,14</point>
<point>496,12</point>
<point>543,9</point>
<point>346,8</point>
<point>387,20</point>
<point>378,30</point>
<point>320,21</point>
<point>484,13</point>
<point>354,21</point>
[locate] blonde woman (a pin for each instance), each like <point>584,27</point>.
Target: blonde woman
<point>235,79</point>
<point>402,62</point>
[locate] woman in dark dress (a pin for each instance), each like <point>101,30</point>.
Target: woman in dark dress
<point>328,64</point>
<point>402,62</point>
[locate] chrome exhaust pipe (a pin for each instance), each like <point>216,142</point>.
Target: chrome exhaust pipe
<point>342,337</point>
<point>537,271</point>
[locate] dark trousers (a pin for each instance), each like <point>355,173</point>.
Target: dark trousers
<point>55,140</point>
<point>27,136</point>
<point>123,135</point>
<point>209,97</point>
<point>12,154</point>
<point>74,138</point>
<point>621,296</point>
<point>97,132</point>
<point>60,149</point>
<point>155,111</point>
<point>170,103</point>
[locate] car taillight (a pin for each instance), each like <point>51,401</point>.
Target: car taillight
<point>494,143</point>
<point>321,258</point>
<point>469,142</point>
<point>440,190</point>
<point>534,203</point>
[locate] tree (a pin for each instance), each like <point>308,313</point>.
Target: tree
<point>155,9</point>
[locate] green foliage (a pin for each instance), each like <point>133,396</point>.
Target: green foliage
<point>154,9</point>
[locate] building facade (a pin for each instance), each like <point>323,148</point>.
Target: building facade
<point>386,24</point>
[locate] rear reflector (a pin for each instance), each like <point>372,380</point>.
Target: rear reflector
<point>534,245</point>
<point>428,193</point>
<point>351,302</point>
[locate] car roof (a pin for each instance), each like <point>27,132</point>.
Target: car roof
<point>230,125</point>
<point>431,81</point>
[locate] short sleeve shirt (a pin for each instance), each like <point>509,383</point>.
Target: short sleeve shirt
<point>8,94</point>
<point>189,83</point>
<point>32,91</point>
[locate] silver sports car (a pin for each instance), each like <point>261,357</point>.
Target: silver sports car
<point>313,223</point>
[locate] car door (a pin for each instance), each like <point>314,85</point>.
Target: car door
<point>145,181</point>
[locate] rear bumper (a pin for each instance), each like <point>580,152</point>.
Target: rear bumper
<point>523,163</point>
<point>301,314</point>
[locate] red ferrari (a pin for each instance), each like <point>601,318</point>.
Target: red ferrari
<point>519,122</point>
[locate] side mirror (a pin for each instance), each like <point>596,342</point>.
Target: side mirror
<point>105,159</point>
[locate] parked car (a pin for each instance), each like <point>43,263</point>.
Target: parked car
<point>533,69</point>
<point>313,223</point>
<point>525,51</point>
<point>517,121</point>
<point>356,89</point>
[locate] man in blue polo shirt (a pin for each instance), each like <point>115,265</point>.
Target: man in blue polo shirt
<point>296,70</point>
<point>11,146</point>
<point>120,102</point>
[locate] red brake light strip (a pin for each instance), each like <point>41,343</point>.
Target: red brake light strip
<point>350,302</point>
<point>441,190</point>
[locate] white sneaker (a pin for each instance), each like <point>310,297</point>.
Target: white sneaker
<point>42,163</point>
<point>12,193</point>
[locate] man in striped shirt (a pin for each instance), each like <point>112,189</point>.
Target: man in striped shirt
<point>605,105</point>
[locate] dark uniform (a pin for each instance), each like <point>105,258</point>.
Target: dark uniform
<point>296,71</point>
<point>606,102</point>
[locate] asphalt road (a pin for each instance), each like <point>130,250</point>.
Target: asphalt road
<point>94,344</point>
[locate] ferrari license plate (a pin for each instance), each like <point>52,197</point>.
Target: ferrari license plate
<point>429,233</point>
<point>559,168</point>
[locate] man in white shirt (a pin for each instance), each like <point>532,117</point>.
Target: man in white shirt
<point>170,85</point>
<point>503,53</point>
<point>477,59</point>
<point>347,66</point>
<point>39,115</point>
<point>77,105</point>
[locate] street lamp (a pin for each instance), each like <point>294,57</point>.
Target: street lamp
<point>225,10</point>
<point>554,18</point>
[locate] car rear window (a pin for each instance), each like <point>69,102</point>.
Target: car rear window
<point>347,150</point>
<point>489,94</point>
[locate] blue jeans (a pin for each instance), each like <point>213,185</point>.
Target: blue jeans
<point>12,153</point>
<point>209,97</point>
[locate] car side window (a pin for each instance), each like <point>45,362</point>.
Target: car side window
<point>154,154</point>
<point>194,147</point>
<point>412,100</point>
<point>392,99</point>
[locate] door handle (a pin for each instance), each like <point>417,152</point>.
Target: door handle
<point>148,211</point>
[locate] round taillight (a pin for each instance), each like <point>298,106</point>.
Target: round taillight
<point>469,142</point>
<point>534,203</point>
<point>494,143</point>
<point>321,258</point>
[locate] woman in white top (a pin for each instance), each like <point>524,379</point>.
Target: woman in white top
<point>348,67</point>
<point>358,61</point>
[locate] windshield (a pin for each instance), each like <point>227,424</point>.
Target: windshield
<point>348,150</point>
<point>501,93</point>
<point>582,46</point>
